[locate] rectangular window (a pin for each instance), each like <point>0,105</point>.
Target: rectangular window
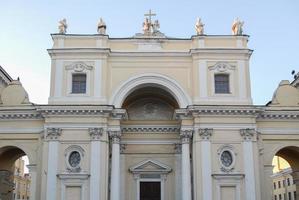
<point>295,197</point>
<point>283,183</point>
<point>221,83</point>
<point>288,180</point>
<point>280,197</point>
<point>274,186</point>
<point>79,83</point>
<point>150,190</point>
<point>275,197</point>
<point>279,186</point>
<point>290,195</point>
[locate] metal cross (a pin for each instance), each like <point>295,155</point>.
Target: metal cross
<point>150,14</point>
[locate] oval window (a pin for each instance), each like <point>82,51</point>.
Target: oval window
<point>74,159</point>
<point>226,158</point>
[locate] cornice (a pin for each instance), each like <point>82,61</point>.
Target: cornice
<point>143,129</point>
<point>19,113</point>
<point>225,110</point>
<point>69,110</point>
<point>279,114</point>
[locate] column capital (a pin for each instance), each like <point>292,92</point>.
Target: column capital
<point>186,134</point>
<point>248,134</point>
<point>52,133</point>
<point>115,135</point>
<point>95,133</point>
<point>205,133</point>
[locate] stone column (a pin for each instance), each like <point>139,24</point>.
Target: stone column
<point>248,135</point>
<point>186,135</point>
<point>95,163</point>
<point>115,166</point>
<point>32,172</point>
<point>206,168</point>
<point>52,136</point>
<point>295,175</point>
<point>268,181</point>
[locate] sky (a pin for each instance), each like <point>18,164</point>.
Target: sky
<point>273,27</point>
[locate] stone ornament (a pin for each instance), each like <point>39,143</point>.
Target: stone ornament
<point>149,27</point>
<point>247,134</point>
<point>102,27</point>
<point>222,67</point>
<point>227,158</point>
<point>186,135</point>
<point>199,27</point>
<point>73,158</point>
<point>206,133</point>
<point>62,26</point>
<point>237,27</point>
<point>95,133</point>
<point>78,67</point>
<point>115,135</point>
<point>52,133</point>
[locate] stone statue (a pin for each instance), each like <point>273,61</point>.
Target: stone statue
<point>199,27</point>
<point>102,27</point>
<point>146,26</point>
<point>237,27</point>
<point>156,26</point>
<point>62,26</point>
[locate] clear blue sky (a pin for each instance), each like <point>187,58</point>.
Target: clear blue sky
<point>273,27</point>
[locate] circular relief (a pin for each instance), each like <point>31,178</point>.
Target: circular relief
<point>226,158</point>
<point>74,159</point>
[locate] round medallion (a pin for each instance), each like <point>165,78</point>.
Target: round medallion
<point>226,158</point>
<point>74,159</point>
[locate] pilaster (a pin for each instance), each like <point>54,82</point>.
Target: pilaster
<point>248,136</point>
<point>32,172</point>
<point>52,136</point>
<point>206,162</point>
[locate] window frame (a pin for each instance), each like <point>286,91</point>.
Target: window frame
<point>226,75</point>
<point>72,87</point>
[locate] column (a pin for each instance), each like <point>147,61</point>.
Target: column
<point>295,175</point>
<point>115,167</point>
<point>186,135</point>
<point>52,136</point>
<point>95,163</point>
<point>32,172</point>
<point>268,182</point>
<point>206,168</point>
<point>248,136</point>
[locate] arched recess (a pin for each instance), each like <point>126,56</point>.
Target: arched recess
<point>8,176</point>
<point>291,155</point>
<point>150,80</point>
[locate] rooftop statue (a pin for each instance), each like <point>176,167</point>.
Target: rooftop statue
<point>102,27</point>
<point>156,26</point>
<point>62,26</point>
<point>237,27</point>
<point>149,27</point>
<point>199,27</point>
<point>146,26</point>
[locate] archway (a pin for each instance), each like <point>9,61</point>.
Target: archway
<point>286,173</point>
<point>14,182</point>
<point>151,141</point>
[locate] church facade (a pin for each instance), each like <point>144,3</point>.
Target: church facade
<point>149,117</point>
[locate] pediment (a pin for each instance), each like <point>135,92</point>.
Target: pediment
<point>150,166</point>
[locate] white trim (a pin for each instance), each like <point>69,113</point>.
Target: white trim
<point>95,168</point>
<point>233,180</point>
<point>202,78</point>
<point>206,169</point>
<point>97,79</point>
<point>242,79</point>
<point>151,79</point>
<point>52,170</point>
<point>58,78</point>
<point>159,141</point>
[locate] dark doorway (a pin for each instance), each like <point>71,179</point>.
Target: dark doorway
<point>150,191</point>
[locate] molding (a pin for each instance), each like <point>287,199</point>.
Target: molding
<point>186,134</point>
<point>78,66</point>
<point>67,154</point>
<point>280,114</point>
<point>222,67</point>
<point>206,133</point>
<point>143,129</point>
<point>157,167</point>
<point>115,135</point>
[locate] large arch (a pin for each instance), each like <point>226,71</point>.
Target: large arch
<point>150,79</point>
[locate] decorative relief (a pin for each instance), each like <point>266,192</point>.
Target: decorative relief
<point>78,67</point>
<point>178,148</point>
<point>222,67</point>
<point>186,134</point>
<point>115,135</point>
<point>95,133</point>
<point>52,133</point>
<point>227,157</point>
<point>206,133</point>
<point>122,148</point>
<point>73,158</point>
<point>150,129</point>
<point>248,134</point>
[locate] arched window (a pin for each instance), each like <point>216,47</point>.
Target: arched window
<point>221,83</point>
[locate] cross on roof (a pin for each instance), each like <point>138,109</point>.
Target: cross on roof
<point>150,14</point>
